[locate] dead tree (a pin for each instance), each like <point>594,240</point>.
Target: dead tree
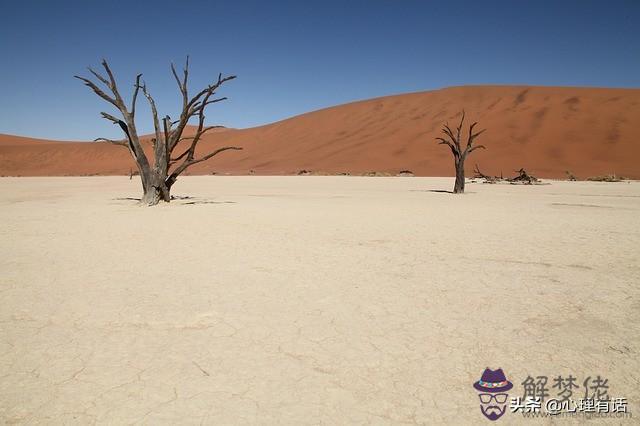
<point>523,177</point>
<point>460,154</point>
<point>159,173</point>
<point>477,174</point>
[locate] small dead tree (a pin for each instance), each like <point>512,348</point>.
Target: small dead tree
<point>477,174</point>
<point>159,174</point>
<point>524,178</point>
<point>460,154</point>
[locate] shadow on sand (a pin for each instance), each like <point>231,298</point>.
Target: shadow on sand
<point>208,202</point>
<point>439,191</point>
<point>178,198</point>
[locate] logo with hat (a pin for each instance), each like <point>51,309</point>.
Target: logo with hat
<point>492,390</point>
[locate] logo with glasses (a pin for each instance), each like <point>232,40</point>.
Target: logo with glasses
<point>492,389</point>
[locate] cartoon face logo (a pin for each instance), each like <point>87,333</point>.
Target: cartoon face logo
<point>492,388</point>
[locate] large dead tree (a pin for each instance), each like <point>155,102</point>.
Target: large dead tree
<point>160,173</point>
<point>453,141</point>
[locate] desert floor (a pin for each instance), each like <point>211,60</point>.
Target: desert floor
<point>307,300</point>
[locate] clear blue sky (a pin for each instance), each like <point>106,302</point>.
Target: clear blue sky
<point>297,56</point>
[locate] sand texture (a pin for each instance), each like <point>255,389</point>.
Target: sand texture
<point>546,130</point>
<point>308,300</point>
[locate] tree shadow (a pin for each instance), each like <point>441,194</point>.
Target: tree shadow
<point>440,191</point>
<point>189,203</point>
<point>176,199</point>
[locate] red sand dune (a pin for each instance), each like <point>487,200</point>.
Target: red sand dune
<point>546,130</point>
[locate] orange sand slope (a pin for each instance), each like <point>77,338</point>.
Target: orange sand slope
<point>546,130</point>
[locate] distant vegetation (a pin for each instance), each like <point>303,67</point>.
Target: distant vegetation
<point>606,178</point>
<point>570,176</point>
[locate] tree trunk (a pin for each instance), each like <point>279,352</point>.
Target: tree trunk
<point>458,187</point>
<point>155,190</point>
<point>153,195</point>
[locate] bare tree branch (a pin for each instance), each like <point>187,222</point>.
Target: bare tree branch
<point>179,157</point>
<point>472,137</point>
<point>213,101</point>
<point>112,85</point>
<point>447,131</point>
<point>99,77</point>
<point>476,147</point>
<point>97,90</point>
<point>190,163</point>
<point>459,128</point>
<point>182,85</point>
<point>120,142</point>
<point>135,95</point>
<point>206,129</point>
<point>449,144</point>
<point>214,153</point>
<point>109,117</point>
<point>210,89</point>
<point>114,89</point>
<point>154,111</point>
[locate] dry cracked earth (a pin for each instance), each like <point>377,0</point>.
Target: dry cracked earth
<point>309,300</point>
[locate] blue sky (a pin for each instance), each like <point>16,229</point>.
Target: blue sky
<point>298,56</point>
